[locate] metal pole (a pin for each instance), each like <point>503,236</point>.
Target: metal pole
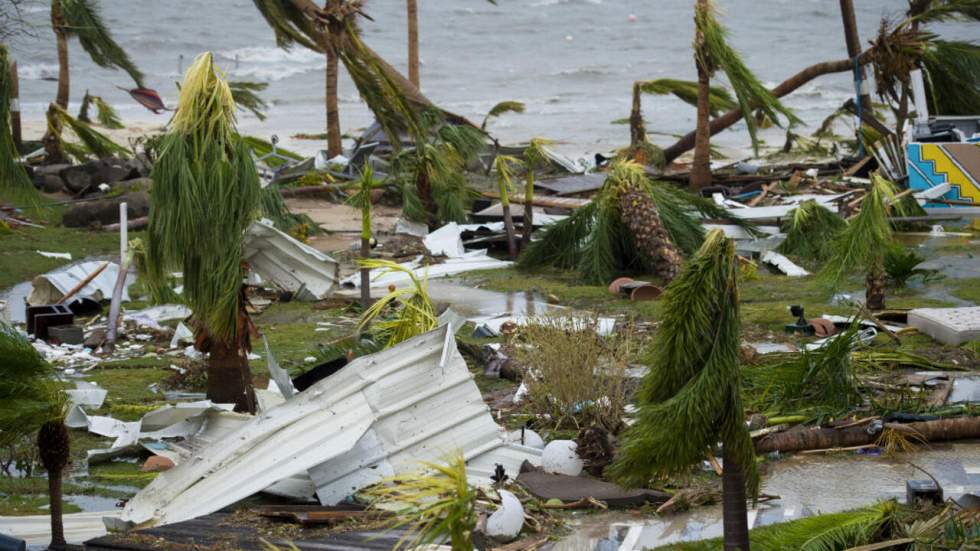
<point>853,41</point>
<point>15,107</point>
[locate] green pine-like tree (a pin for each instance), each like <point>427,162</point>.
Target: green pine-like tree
<point>690,400</point>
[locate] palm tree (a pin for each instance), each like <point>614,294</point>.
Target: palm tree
<point>535,157</point>
<point>15,185</point>
<point>712,52</point>
<point>33,401</point>
<point>205,194</point>
<point>632,226</point>
<point>640,149</point>
<point>361,199</point>
<point>863,243</point>
<point>81,19</point>
<point>505,164</point>
<point>293,26</point>
<point>690,399</point>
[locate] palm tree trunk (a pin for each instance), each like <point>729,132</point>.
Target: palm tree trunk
<point>701,169</point>
<point>874,292</point>
<point>64,83</point>
<point>638,132</point>
<point>54,149</point>
<point>734,512</point>
<point>509,227</point>
<point>229,377</point>
<point>413,42</point>
<point>334,145</point>
<point>54,448</point>
<point>853,42</point>
<point>56,510</point>
<point>15,127</point>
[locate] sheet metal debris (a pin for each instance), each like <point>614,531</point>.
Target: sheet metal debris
<point>380,414</point>
<point>784,264</point>
<point>50,287</point>
<point>470,261</point>
<point>289,264</point>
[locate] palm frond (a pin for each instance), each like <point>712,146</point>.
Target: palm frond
<point>83,20</point>
<point>28,390</point>
<point>561,244</point>
<point>714,53</point>
<point>692,388</point>
<point>15,185</point>
<point>415,313</point>
<point>94,142</point>
<point>810,230</point>
<point>433,504</point>
<point>719,98</point>
<point>361,199</point>
<point>863,242</point>
<point>813,382</point>
<point>205,194</point>
<point>262,147</point>
<point>104,113</point>
<point>246,96</point>
<point>949,10</point>
<point>953,70</point>
<point>506,106</point>
<point>505,166</point>
<point>290,25</point>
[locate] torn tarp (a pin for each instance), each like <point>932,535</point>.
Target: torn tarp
<point>382,413</point>
<point>289,264</point>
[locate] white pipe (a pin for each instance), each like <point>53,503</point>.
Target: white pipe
<point>123,233</point>
<point>919,96</point>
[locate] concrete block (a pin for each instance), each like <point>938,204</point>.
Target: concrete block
<point>947,325</point>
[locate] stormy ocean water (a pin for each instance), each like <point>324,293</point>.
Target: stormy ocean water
<point>571,61</point>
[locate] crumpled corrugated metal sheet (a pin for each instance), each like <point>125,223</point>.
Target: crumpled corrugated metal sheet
<point>288,263</point>
<point>415,401</point>
<point>50,287</point>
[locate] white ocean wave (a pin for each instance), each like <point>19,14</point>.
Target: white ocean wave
<point>266,55</point>
<point>38,71</point>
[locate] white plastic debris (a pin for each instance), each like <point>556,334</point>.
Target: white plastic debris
<point>84,394</point>
<point>784,264</point>
<point>527,437</point>
<point>506,522</point>
<point>181,335</point>
<point>407,227</point>
<point>46,254</point>
<point>561,457</point>
<point>446,241</point>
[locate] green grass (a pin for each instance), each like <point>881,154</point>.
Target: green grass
<point>129,385</point>
<point>120,473</point>
<point>966,289</point>
<point>291,329</point>
<point>19,260</point>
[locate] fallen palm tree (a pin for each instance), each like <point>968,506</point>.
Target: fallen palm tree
<point>632,226</point>
<point>816,438</point>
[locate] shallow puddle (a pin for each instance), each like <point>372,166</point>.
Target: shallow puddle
<point>807,485</point>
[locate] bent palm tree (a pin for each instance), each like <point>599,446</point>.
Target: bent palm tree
<point>82,19</point>
<point>640,149</point>
<point>15,185</point>
<point>33,401</point>
<point>712,52</point>
<point>205,195</point>
<point>633,225</point>
<point>292,26</point>
<point>690,399</point>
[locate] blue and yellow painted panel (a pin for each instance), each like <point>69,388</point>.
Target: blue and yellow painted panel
<point>933,164</point>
